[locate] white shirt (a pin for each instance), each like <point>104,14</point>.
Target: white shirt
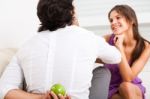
<point>64,56</point>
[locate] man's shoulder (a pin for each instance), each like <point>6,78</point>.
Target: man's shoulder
<point>38,39</point>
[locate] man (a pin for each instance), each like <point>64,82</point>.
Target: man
<point>61,53</point>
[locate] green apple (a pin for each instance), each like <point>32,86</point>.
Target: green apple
<point>58,89</point>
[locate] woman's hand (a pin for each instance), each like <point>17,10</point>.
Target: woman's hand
<point>52,95</point>
<point>118,40</point>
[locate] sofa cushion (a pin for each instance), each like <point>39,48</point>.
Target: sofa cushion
<point>5,57</point>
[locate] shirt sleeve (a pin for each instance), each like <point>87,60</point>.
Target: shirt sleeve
<point>107,53</point>
<point>12,78</point>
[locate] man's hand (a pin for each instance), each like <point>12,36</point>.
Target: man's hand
<point>52,95</point>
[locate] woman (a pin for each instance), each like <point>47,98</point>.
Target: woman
<point>135,51</point>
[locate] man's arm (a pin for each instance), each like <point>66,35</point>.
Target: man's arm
<point>12,78</point>
<point>107,53</point>
<point>20,94</point>
<point>99,61</point>
<point>11,83</point>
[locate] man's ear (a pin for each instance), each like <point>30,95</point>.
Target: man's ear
<point>75,19</point>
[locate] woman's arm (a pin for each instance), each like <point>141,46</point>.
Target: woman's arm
<point>130,72</point>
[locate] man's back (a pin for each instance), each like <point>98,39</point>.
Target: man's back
<point>64,56</point>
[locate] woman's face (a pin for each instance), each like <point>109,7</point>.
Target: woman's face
<point>118,23</point>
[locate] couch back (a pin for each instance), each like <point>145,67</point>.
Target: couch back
<point>5,56</point>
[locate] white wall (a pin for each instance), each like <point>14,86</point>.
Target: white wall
<point>18,22</point>
<point>94,12</point>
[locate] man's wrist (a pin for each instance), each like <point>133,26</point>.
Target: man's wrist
<point>38,96</point>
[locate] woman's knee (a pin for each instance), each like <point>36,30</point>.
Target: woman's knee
<point>125,88</point>
<point>129,90</point>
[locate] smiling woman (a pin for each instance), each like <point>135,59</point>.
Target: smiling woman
<point>134,50</point>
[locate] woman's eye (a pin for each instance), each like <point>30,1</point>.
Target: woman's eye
<point>111,20</point>
<point>118,17</point>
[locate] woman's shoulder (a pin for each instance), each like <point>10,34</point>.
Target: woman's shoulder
<point>147,45</point>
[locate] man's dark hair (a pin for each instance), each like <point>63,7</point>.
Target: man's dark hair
<point>54,14</point>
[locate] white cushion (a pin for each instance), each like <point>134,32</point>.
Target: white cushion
<point>5,57</point>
